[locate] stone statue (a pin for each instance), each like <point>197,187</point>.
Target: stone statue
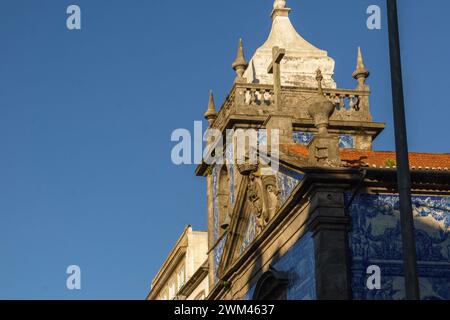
<point>256,201</point>
<point>273,201</point>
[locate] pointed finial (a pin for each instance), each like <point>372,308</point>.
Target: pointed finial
<point>240,64</point>
<point>360,62</point>
<point>361,73</point>
<point>279,9</point>
<point>321,109</point>
<point>211,114</point>
<point>279,4</point>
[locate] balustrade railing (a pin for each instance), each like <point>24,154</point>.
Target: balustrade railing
<point>258,95</point>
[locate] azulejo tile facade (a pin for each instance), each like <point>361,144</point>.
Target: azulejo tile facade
<point>218,250</point>
<point>303,138</point>
<point>375,239</point>
<point>215,201</point>
<point>346,141</point>
<point>250,233</point>
<point>298,264</point>
<point>287,180</point>
<point>229,155</point>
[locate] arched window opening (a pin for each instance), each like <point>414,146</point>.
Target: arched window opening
<point>200,296</point>
<point>224,199</point>
<point>273,285</point>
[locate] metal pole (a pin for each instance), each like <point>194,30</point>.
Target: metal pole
<point>403,171</point>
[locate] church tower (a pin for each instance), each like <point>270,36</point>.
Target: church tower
<point>253,97</point>
<point>287,86</point>
<point>261,219</point>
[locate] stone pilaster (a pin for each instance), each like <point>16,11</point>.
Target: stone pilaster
<point>282,123</point>
<point>209,206</point>
<point>329,225</point>
<point>324,150</point>
<point>363,142</point>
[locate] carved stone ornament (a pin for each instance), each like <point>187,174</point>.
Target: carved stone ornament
<point>255,197</point>
<point>263,196</point>
<point>246,168</point>
<point>321,109</point>
<point>272,196</point>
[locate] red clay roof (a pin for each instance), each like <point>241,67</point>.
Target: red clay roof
<point>295,149</point>
<point>379,159</point>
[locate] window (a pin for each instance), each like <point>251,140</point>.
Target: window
<point>272,285</point>
<point>200,296</point>
<point>181,278</point>
<point>172,290</point>
<point>224,198</point>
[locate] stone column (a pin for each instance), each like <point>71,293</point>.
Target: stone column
<point>209,200</point>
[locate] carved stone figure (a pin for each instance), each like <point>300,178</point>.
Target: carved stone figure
<point>271,192</point>
<point>255,198</point>
<point>273,200</point>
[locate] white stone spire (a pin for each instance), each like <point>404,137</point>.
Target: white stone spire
<point>302,58</point>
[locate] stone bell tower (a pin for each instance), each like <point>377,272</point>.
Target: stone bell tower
<point>278,86</point>
<point>286,85</point>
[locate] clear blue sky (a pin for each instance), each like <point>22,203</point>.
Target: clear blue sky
<point>86,118</point>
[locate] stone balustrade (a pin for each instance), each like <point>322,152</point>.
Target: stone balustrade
<point>245,96</point>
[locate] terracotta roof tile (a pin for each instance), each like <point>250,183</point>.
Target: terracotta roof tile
<point>294,149</point>
<point>380,159</point>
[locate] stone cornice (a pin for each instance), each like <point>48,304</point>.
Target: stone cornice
<point>195,280</point>
<point>176,255</point>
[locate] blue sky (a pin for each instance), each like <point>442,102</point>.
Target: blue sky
<point>86,117</point>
